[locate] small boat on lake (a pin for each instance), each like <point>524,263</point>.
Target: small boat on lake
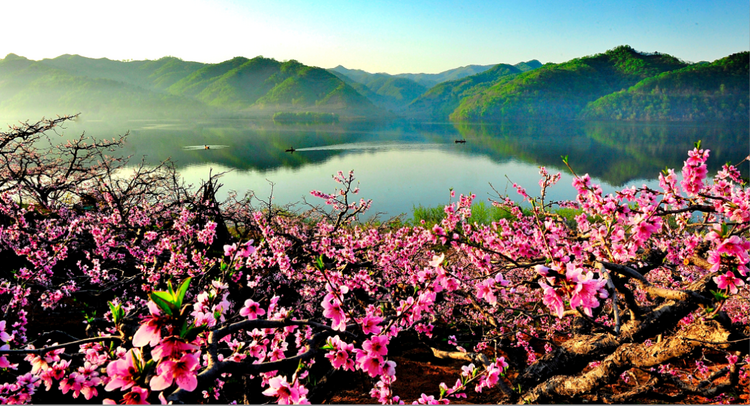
<point>291,149</point>
<point>460,141</point>
<point>206,147</point>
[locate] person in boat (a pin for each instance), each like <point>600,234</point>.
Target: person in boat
<point>206,147</point>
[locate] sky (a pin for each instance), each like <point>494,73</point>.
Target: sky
<point>375,36</point>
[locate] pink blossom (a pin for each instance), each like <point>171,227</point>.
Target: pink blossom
<point>122,372</point>
<point>553,300</point>
<point>376,346</point>
<point>332,310</point>
<point>370,324</point>
<point>171,346</point>
<point>229,250</point>
<point>285,393</point>
<point>182,371</point>
<point>150,330</point>
<point>729,282</point>
<point>340,355</point>
<point>373,365</point>
<point>485,291</point>
<point>252,309</point>
<point>137,396</point>
<point>5,337</point>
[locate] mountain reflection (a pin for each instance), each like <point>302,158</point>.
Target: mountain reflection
<point>614,152</point>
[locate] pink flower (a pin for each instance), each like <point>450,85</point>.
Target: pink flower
<point>252,309</point>
<point>137,396</point>
<point>437,261</point>
<point>286,394</point>
<point>5,337</point>
<point>150,330</point>
<point>373,365</point>
<point>585,292</point>
<point>552,299</point>
<point>182,371</point>
<point>122,372</point>
<point>229,250</point>
<point>376,346</point>
<point>332,310</point>
<point>170,347</point>
<point>340,355</point>
<point>370,324</point>
<point>389,368</point>
<point>729,282</point>
<point>485,291</point>
<point>83,381</point>
<point>4,363</point>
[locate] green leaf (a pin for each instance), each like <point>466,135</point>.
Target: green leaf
<point>169,286</point>
<point>117,312</point>
<point>319,262</point>
<point>698,144</point>
<point>718,295</point>
<point>161,300</point>
<point>564,158</point>
<point>724,229</point>
<point>181,291</point>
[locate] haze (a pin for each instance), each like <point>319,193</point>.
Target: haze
<point>376,36</point>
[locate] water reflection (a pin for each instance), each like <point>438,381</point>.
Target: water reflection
<point>402,164</point>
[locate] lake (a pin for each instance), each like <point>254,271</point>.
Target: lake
<point>401,165</point>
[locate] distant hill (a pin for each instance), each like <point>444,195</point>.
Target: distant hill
<point>170,87</point>
<point>440,101</point>
<point>619,84</point>
<point>395,92</point>
<point>715,91</point>
<point>388,92</point>
<point>31,89</point>
<point>561,91</point>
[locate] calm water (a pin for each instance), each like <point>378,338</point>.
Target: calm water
<point>401,165</point>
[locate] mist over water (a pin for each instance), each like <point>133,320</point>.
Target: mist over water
<point>401,165</point>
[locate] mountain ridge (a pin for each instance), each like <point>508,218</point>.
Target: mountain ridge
<point>621,84</point>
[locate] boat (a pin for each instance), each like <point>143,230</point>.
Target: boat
<point>460,141</point>
<point>291,149</point>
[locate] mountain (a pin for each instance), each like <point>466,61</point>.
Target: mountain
<point>34,89</point>
<point>262,83</point>
<point>426,80</point>
<point>158,74</point>
<point>561,91</point>
<point>429,80</point>
<point>388,92</point>
<point>170,87</point>
<point>440,101</point>
<point>715,91</point>
<point>395,92</point>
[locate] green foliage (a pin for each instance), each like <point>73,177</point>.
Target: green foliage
<point>170,87</point>
<point>440,101</point>
<point>481,213</point>
<point>561,91</point>
<point>701,92</point>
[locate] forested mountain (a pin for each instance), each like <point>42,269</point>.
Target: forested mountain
<point>386,91</point>
<point>170,87</point>
<point>619,84</point>
<point>562,90</point>
<point>712,92</point>
<point>31,89</point>
<point>426,80</point>
<point>395,92</point>
<point>440,101</point>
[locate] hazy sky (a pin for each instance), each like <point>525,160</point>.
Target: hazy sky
<point>377,36</point>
